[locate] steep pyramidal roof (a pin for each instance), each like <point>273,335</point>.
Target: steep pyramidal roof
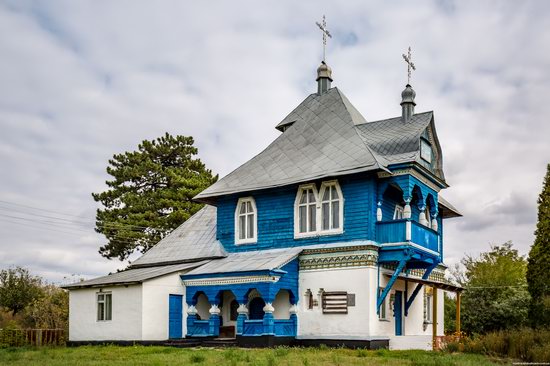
<point>325,136</point>
<point>322,141</point>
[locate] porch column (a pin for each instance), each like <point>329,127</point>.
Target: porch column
<point>268,321</point>
<point>191,317</point>
<point>407,210</point>
<point>243,315</point>
<point>293,310</point>
<point>434,221</point>
<point>214,321</point>
<point>457,324</point>
<point>379,211</point>
<point>434,319</point>
<point>422,215</point>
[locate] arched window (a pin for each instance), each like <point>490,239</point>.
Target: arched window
<point>245,221</point>
<point>306,210</point>
<point>331,207</point>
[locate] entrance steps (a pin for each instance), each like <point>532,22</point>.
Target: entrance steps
<point>197,342</point>
<point>220,342</point>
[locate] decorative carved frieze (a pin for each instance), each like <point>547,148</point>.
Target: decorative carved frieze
<point>343,260</point>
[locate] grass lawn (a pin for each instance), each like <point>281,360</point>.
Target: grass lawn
<point>139,355</point>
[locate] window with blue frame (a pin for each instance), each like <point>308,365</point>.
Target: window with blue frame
<point>246,224</point>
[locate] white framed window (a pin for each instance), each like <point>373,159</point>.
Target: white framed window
<point>246,223</point>
<point>104,306</point>
<point>305,211</point>
<point>332,208</point>
<point>398,213</point>
<point>382,313</point>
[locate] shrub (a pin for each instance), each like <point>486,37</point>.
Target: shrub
<point>526,344</point>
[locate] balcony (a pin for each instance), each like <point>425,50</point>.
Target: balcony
<point>395,231</point>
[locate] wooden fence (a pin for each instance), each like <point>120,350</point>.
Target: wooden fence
<point>32,337</point>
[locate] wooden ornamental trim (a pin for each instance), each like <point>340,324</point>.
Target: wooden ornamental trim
<point>335,302</point>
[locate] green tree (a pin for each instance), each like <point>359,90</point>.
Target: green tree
<point>150,194</point>
<point>18,289</point>
<point>50,311</point>
<point>538,268</point>
<point>449,313</point>
<point>495,295</point>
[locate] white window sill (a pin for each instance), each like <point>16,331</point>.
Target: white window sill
<point>245,241</point>
<point>317,234</point>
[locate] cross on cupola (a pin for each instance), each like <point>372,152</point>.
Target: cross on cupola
<point>410,65</point>
<point>323,27</point>
<point>324,72</point>
<point>408,95</point>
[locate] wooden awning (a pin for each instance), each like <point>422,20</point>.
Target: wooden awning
<point>439,285</point>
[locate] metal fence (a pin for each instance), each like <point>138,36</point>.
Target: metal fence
<point>32,337</point>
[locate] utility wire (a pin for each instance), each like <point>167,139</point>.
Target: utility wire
<point>105,225</point>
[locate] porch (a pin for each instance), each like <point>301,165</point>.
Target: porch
<point>249,294</point>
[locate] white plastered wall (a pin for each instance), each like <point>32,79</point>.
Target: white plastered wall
<point>155,300</point>
<point>414,334</point>
<point>228,297</point>
<point>313,324</point>
<point>282,305</point>
<point>139,312</point>
<point>203,307</point>
<point>126,314</point>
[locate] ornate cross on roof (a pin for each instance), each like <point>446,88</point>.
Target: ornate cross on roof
<point>410,65</point>
<point>323,28</point>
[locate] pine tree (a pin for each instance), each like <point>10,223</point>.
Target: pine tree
<point>538,268</point>
<point>150,194</point>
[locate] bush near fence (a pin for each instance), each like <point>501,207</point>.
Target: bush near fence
<point>530,345</point>
<point>12,337</point>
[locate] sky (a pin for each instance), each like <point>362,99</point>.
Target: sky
<point>83,80</point>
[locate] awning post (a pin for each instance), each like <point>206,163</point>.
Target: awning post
<point>434,319</point>
<point>457,324</point>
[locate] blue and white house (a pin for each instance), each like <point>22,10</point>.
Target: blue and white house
<point>332,234</point>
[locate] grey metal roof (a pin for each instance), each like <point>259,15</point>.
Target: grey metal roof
<point>249,261</point>
<point>394,139</point>
<point>325,136</point>
<point>321,142</point>
<point>130,276</point>
<point>194,240</point>
<point>447,209</point>
<point>266,259</point>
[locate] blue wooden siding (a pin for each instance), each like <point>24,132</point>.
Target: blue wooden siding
<point>276,216</point>
<point>175,316</point>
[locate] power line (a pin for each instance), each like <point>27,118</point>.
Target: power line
<point>105,225</point>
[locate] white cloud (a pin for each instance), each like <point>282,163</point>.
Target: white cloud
<point>84,80</point>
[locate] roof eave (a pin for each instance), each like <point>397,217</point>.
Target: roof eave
<point>212,198</point>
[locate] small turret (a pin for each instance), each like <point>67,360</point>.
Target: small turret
<point>407,103</point>
<point>324,78</point>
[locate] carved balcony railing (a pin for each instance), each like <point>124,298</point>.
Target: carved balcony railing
<point>395,231</point>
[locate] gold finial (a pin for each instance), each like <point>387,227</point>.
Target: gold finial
<point>323,27</point>
<point>410,65</point>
